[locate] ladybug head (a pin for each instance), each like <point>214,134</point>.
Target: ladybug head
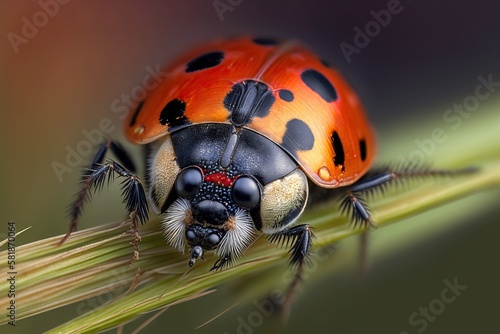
<point>207,207</point>
<point>211,212</point>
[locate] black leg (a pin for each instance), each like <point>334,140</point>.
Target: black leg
<point>377,182</point>
<point>354,203</point>
<point>133,192</point>
<point>117,150</point>
<point>301,238</point>
<point>356,207</point>
<point>222,262</point>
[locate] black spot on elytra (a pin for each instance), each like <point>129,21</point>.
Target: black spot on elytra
<point>286,95</point>
<point>339,158</point>
<point>205,61</point>
<point>362,149</point>
<point>136,113</point>
<point>298,137</point>
<point>319,84</point>
<point>248,99</point>
<point>173,114</point>
<point>265,41</point>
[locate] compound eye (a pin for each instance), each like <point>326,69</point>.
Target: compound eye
<point>190,235</point>
<point>246,192</point>
<point>212,239</point>
<point>188,182</point>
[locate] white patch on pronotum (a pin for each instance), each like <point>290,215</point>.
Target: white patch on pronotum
<point>173,223</point>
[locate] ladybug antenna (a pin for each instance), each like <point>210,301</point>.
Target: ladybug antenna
<point>196,253</point>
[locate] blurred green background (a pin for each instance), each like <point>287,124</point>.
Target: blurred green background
<point>65,78</point>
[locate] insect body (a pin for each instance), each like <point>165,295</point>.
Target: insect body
<point>237,134</point>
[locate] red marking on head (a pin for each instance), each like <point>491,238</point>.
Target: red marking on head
<point>220,179</point>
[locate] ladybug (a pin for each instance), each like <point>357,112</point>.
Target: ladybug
<point>238,135</point>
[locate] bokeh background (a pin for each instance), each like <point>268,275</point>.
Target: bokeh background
<point>64,79</point>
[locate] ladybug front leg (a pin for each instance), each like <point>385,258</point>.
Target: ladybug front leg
<point>222,262</point>
<point>301,238</point>
<point>133,192</point>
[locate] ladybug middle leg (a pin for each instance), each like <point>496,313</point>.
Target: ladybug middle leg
<point>354,203</point>
<point>378,181</point>
<point>133,191</point>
